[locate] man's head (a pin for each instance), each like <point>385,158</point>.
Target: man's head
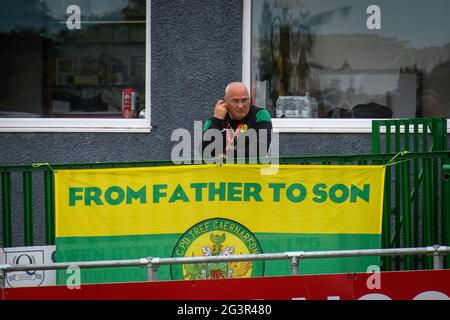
<point>237,100</point>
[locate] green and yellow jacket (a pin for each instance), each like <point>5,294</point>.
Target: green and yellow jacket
<point>257,141</point>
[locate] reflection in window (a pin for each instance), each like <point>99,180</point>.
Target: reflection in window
<point>71,58</point>
<point>318,58</point>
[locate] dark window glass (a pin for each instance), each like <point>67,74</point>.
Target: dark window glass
<point>71,58</point>
<point>333,59</point>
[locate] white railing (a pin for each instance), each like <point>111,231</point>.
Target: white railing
<point>152,263</point>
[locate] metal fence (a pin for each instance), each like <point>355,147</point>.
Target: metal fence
<point>415,212</point>
<point>416,204</point>
<point>295,258</point>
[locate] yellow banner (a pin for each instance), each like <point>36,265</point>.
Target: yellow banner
<point>169,200</point>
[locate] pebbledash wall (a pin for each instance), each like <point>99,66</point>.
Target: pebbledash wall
<point>196,50</point>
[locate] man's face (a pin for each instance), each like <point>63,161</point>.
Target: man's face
<point>238,102</point>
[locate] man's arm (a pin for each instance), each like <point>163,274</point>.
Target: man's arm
<point>263,126</point>
<point>216,122</point>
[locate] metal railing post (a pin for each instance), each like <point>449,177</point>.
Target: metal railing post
<point>28,208</point>
<point>151,271</point>
<point>386,222</point>
<point>376,136</point>
<point>6,209</point>
<point>427,208</point>
<point>436,258</point>
<point>2,283</point>
<point>49,208</point>
<point>406,213</point>
<point>2,279</point>
<point>436,261</point>
<point>294,266</point>
<point>446,211</point>
<point>415,192</point>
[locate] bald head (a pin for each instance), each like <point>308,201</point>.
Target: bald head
<point>237,100</point>
<point>236,87</point>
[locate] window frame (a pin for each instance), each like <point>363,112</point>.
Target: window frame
<point>319,125</point>
<point>93,124</point>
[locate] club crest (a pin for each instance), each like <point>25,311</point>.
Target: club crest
<point>217,237</point>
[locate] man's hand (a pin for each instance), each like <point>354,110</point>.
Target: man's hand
<point>220,110</point>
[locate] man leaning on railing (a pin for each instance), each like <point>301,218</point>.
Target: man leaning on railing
<point>237,128</point>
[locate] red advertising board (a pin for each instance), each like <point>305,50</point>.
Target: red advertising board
<point>412,285</point>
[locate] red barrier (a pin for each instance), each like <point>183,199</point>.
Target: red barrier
<point>386,285</point>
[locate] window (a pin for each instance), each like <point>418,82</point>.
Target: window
<point>75,65</point>
<point>331,66</point>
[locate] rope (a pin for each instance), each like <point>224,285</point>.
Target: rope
<point>38,165</point>
<point>391,163</point>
